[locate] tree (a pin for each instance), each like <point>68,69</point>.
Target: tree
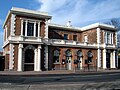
<point>115,22</point>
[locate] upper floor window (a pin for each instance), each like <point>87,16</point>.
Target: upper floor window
<point>109,38</point>
<point>75,37</point>
<point>30,28</point>
<point>65,36</point>
<point>85,38</point>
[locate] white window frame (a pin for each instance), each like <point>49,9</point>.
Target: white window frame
<point>85,38</point>
<point>30,21</point>
<point>110,37</point>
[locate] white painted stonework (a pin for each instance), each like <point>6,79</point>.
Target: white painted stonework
<point>104,59</point>
<point>46,57</point>
<point>20,62</point>
<point>46,28</point>
<point>13,24</point>
<point>11,62</point>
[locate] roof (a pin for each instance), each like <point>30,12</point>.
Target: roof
<point>26,12</point>
<point>65,27</point>
<point>101,25</point>
<point>95,25</point>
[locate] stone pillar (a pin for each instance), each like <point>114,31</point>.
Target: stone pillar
<point>39,59</point>
<point>98,58</point>
<point>113,60</point>
<point>34,29</point>
<point>104,59</point>
<point>26,28</point>
<point>46,57</point>
<point>35,62</point>
<point>20,57</point>
<point>116,39</point>
<point>21,27</point>
<point>39,29</point>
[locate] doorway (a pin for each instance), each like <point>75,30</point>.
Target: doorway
<point>29,60</point>
<point>68,59</point>
<point>108,60</point>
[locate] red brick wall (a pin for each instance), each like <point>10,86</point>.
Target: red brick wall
<point>18,25</point>
<point>59,34</point>
<point>74,55</point>
<point>92,36</point>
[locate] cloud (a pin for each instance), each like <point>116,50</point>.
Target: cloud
<point>80,11</point>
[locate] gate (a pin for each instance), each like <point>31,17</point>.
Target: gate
<point>2,63</point>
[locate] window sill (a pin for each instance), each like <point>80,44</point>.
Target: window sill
<point>57,63</point>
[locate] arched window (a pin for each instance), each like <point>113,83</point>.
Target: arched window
<point>79,55</point>
<point>68,53</point>
<point>56,55</point>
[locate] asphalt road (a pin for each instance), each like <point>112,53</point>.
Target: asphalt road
<point>64,79</point>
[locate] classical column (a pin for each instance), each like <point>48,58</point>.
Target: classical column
<point>39,29</point>
<point>26,27</point>
<point>46,57</point>
<point>35,62</point>
<point>39,58</point>
<point>34,29</point>
<point>20,57</point>
<point>116,38</point>
<point>104,59</point>
<point>113,59</point>
<point>21,27</point>
<point>98,58</point>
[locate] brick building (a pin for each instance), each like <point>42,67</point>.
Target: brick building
<point>32,43</point>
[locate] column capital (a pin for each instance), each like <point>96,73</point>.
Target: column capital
<point>39,47</point>
<point>20,45</point>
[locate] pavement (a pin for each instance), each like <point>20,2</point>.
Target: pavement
<point>54,72</point>
<point>58,75</point>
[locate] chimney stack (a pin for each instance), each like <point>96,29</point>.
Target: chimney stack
<point>68,24</point>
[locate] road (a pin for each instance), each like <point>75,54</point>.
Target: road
<point>64,79</point>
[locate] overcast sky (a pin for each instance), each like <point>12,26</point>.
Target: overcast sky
<point>79,12</point>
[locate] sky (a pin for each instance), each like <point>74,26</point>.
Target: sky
<point>79,12</point>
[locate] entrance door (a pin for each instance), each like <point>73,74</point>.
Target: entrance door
<point>29,60</point>
<point>79,65</point>
<point>108,60</point>
<point>2,63</point>
<point>69,63</point>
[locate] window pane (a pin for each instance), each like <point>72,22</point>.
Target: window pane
<point>75,37</point>
<point>65,36</point>
<point>30,29</point>
<point>36,29</point>
<point>24,28</point>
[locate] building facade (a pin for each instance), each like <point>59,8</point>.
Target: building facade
<point>32,43</point>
